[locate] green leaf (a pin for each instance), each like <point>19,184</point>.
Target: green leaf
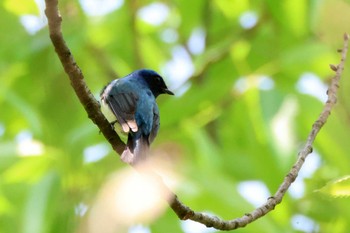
<point>337,188</point>
<point>36,215</point>
<point>27,170</point>
<point>21,7</point>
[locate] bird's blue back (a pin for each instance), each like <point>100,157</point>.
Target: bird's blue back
<point>131,101</point>
<point>146,106</point>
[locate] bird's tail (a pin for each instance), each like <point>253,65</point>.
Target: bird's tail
<point>136,149</point>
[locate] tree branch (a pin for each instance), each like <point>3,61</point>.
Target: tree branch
<point>213,221</point>
<point>183,212</point>
<point>76,77</point>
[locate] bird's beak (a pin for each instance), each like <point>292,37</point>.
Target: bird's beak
<point>167,91</point>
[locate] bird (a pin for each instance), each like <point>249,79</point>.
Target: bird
<point>129,104</point>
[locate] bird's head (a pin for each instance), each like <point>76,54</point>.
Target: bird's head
<point>154,81</point>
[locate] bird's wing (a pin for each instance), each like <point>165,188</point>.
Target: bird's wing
<point>123,106</point>
<point>155,125</point>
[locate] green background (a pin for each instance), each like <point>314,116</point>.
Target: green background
<point>238,120</point>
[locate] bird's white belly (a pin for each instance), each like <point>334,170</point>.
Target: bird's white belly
<point>111,118</point>
<point>106,111</point>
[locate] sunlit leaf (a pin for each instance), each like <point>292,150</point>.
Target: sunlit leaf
<point>26,170</point>
<point>337,188</point>
<point>19,7</point>
<point>5,206</point>
<point>35,216</point>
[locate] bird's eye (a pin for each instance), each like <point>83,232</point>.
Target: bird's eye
<point>158,79</point>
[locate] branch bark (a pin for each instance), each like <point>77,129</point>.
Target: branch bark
<point>76,77</point>
<point>184,212</point>
<point>213,221</point>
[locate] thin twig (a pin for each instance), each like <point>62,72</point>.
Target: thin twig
<point>213,221</point>
<point>102,61</point>
<point>135,37</point>
<point>183,212</point>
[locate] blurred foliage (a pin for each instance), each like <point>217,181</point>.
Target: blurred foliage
<point>240,117</point>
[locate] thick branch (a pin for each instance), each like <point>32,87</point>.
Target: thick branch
<point>76,77</point>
